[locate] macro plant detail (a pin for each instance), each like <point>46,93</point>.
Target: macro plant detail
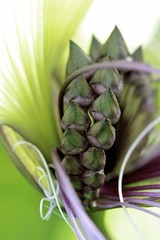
<point>78,159</point>
<point>92,121</point>
<point>87,124</point>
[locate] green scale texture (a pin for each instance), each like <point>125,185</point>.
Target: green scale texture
<point>91,111</point>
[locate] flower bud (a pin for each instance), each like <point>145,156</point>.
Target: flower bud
<point>72,165</point>
<point>79,92</point>
<point>75,117</point>
<point>104,79</point>
<point>115,46</point>
<point>77,59</point>
<point>94,49</point>
<point>76,182</point>
<point>73,142</point>
<point>89,193</point>
<point>101,134</point>
<point>94,159</point>
<point>93,179</point>
<point>106,106</point>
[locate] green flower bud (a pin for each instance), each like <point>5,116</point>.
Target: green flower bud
<point>77,59</point>
<point>75,117</point>
<point>94,159</point>
<point>89,193</point>
<point>138,54</point>
<point>76,182</point>
<point>93,179</point>
<point>72,165</point>
<point>106,106</point>
<point>79,92</point>
<point>115,46</point>
<point>94,49</point>
<point>73,142</point>
<point>104,79</point>
<point>102,134</point>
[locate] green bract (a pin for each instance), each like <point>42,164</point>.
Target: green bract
<point>31,80</point>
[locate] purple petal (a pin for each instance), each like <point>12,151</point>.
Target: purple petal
<point>90,229</point>
<point>72,217</point>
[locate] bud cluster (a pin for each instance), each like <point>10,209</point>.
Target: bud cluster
<point>90,110</point>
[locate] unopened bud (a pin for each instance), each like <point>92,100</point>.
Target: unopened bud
<point>93,179</point>
<point>104,79</point>
<point>102,134</point>
<point>94,49</point>
<point>76,182</point>
<point>79,92</point>
<point>94,159</point>
<point>72,165</point>
<point>115,46</point>
<point>77,59</point>
<point>89,193</point>
<point>75,117</point>
<point>73,142</point>
<point>106,106</point>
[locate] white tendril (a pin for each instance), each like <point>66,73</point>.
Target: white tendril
<point>124,163</point>
<point>52,191</point>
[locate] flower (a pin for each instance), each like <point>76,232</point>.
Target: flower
<point>105,103</point>
<point>93,106</point>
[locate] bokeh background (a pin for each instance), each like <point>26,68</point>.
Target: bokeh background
<point>19,201</point>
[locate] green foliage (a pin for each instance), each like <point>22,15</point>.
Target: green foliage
<point>19,207</point>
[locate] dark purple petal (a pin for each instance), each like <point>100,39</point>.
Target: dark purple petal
<point>90,229</point>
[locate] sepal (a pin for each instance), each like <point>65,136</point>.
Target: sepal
<point>101,134</point>
<point>106,106</point>
<point>104,79</point>
<point>115,46</point>
<point>93,179</point>
<point>95,48</point>
<point>72,165</point>
<point>94,159</point>
<point>73,142</point>
<point>79,92</point>
<point>75,117</point>
<point>77,59</point>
